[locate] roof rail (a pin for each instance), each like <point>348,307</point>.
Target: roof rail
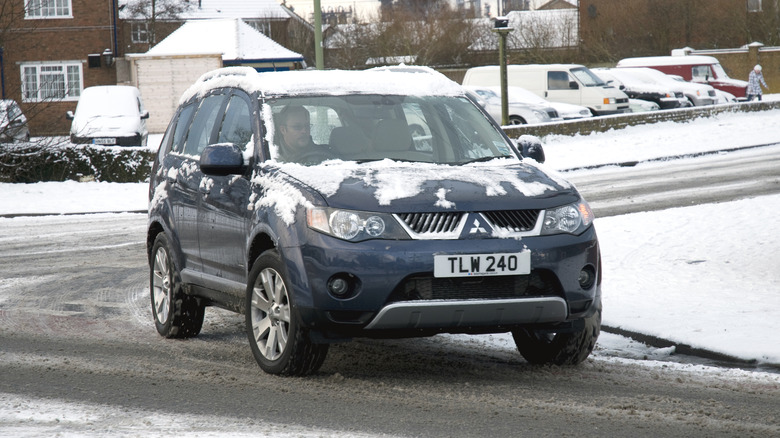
<point>228,71</point>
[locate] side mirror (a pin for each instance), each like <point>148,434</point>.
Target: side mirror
<point>144,115</point>
<point>69,115</point>
<point>531,147</point>
<point>574,85</point>
<point>222,159</point>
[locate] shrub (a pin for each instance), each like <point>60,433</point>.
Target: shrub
<point>52,160</point>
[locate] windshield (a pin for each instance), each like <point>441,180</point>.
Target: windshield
<point>587,77</point>
<point>431,129</point>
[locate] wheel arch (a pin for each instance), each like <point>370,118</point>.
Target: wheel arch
<point>261,242</point>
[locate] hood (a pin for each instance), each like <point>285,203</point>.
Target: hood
<point>392,187</point>
<point>98,126</point>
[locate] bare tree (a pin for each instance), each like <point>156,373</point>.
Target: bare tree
<point>150,11</point>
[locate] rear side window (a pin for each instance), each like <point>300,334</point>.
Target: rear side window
<point>237,126</point>
<point>199,135</point>
<point>182,123</point>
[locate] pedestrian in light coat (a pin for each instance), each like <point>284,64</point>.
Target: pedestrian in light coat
<point>755,81</point>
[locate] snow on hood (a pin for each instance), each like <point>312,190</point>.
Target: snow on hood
<point>393,186</point>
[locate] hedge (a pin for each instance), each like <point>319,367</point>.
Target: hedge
<point>51,160</point>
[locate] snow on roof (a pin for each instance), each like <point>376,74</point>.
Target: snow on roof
<point>667,60</point>
<point>414,82</point>
<point>231,37</point>
<point>211,9</point>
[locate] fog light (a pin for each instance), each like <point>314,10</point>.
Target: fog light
<point>587,277</point>
<point>342,285</point>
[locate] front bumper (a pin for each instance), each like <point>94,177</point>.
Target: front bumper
<point>393,288</point>
<point>110,140</point>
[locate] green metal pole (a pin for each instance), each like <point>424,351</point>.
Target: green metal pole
<point>319,63</point>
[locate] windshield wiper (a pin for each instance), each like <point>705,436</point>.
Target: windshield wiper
<point>483,159</point>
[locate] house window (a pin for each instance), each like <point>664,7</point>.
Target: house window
<point>754,5</point>
<point>139,33</point>
<point>42,82</point>
<point>48,9</point>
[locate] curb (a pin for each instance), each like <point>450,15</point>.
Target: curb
<point>721,359</point>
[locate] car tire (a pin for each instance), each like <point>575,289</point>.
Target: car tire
<point>279,342</point>
<point>567,348</point>
<point>176,314</point>
<point>516,120</point>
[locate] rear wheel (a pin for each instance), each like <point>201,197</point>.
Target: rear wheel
<point>279,342</point>
<point>176,314</point>
<point>567,348</point>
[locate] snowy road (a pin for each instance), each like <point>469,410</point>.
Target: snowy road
<point>75,326</point>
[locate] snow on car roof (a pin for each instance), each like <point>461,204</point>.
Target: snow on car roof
<point>667,60</point>
<point>402,81</point>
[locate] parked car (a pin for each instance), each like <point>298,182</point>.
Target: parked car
<point>721,97</point>
<point>639,87</point>
<point>642,106</point>
<point>697,94</point>
<point>109,115</point>
<point>566,111</point>
<point>693,68</point>
<point>566,83</point>
<point>519,113</point>
<point>302,200</point>
<point>13,122</point>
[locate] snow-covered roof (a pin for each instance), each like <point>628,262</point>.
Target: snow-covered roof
<point>233,38</point>
<point>667,60</point>
<point>211,9</point>
<point>403,81</point>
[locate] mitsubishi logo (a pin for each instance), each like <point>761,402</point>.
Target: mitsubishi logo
<point>477,228</point>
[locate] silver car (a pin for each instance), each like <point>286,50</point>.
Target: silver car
<point>519,113</point>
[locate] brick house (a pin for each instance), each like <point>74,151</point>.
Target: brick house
<point>53,49</point>
<point>50,50</point>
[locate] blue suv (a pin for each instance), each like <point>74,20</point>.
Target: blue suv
<point>328,205</point>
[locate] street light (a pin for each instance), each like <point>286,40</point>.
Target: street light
<point>501,27</point>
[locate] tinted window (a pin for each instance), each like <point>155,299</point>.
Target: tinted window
<point>182,123</point>
<point>557,80</point>
<point>236,127</point>
<point>202,128</point>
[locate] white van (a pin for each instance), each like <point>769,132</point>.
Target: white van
<point>567,83</point>
<point>109,115</point>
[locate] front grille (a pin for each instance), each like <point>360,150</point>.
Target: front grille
<point>422,223</point>
<point>622,100</point>
<point>426,287</point>
<point>513,220</point>
<point>711,93</point>
<point>552,113</point>
<point>679,94</point>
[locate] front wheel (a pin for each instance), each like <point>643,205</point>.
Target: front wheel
<point>279,343</point>
<point>567,348</point>
<point>176,314</point>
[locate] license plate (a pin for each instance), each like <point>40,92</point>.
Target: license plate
<point>482,264</point>
<point>105,140</point>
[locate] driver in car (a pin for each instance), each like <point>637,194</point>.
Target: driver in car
<point>296,144</point>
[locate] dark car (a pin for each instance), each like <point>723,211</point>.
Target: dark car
<point>638,87</point>
<point>13,123</point>
<point>327,205</point>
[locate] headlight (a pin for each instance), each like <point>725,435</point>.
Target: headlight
<point>540,115</point>
<point>354,225</point>
<point>572,218</point>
